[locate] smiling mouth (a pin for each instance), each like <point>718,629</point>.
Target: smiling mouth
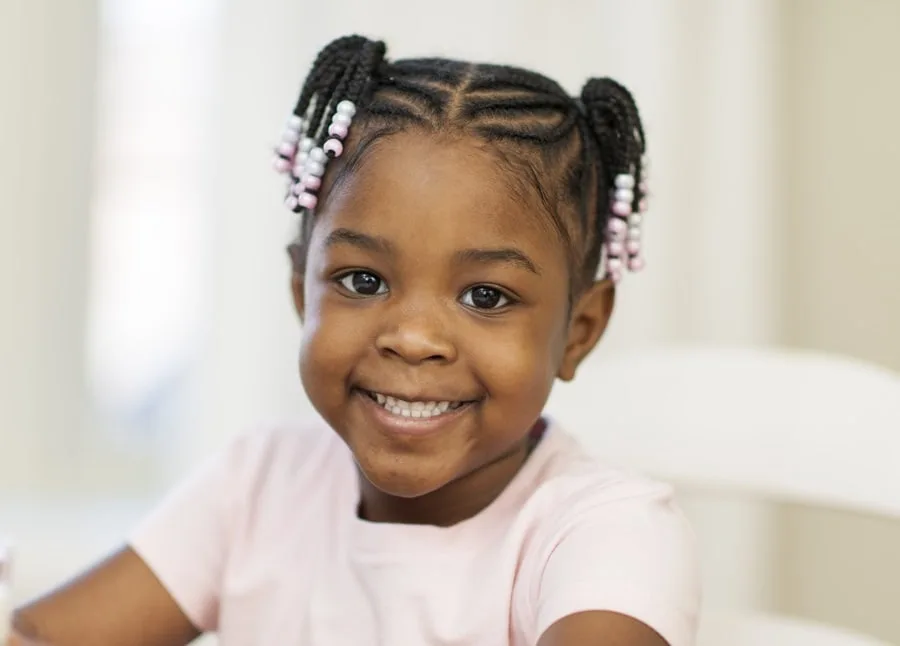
<point>415,409</point>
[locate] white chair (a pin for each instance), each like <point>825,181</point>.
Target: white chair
<point>782,425</point>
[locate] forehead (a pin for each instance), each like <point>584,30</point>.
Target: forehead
<point>439,189</point>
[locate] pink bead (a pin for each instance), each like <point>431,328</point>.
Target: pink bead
<point>337,130</point>
<point>616,227</point>
<point>308,201</point>
<point>298,188</point>
<point>633,247</point>
<point>644,188</point>
<point>312,182</point>
<point>615,277</point>
<point>287,149</point>
<point>333,146</point>
<point>281,164</point>
<point>642,205</point>
<point>291,202</point>
<point>615,248</point>
<point>621,208</point>
<point>636,263</point>
<point>614,264</point>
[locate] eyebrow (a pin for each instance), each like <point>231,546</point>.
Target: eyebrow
<point>492,256</point>
<point>358,240</point>
<point>508,255</point>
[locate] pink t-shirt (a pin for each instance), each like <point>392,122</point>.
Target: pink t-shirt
<point>264,546</point>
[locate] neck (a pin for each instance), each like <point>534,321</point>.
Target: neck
<point>453,503</point>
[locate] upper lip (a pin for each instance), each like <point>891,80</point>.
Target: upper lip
<point>418,396</point>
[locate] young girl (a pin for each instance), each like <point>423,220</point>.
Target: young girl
<point>463,229</point>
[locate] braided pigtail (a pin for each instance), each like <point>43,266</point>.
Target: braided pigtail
<point>616,131</point>
<point>339,81</point>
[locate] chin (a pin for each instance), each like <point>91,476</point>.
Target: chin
<point>403,480</point>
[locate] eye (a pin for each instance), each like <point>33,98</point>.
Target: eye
<point>363,283</point>
<point>484,297</point>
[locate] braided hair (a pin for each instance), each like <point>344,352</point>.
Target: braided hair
<point>566,152</point>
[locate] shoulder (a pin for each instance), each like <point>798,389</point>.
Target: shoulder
<point>280,450</point>
<point>572,486</point>
<point>606,539</point>
<point>278,467</point>
<point>223,520</point>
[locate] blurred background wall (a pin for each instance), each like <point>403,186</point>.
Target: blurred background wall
<point>145,315</point>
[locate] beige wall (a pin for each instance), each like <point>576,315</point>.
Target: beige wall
<point>47,60</point>
<point>841,138</point>
<point>842,143</point>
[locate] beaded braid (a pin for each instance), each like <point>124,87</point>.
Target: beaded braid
<point>580,157</point>
<point>613,118</point>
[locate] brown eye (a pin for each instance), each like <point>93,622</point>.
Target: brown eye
<point>363,283</point>
<point>484,297</point>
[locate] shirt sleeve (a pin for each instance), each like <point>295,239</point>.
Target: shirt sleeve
<point>636,558</point>
<point>185,540</point>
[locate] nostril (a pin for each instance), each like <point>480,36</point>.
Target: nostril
<point>414,346</point>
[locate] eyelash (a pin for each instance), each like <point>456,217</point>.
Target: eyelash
<point>505,298</point>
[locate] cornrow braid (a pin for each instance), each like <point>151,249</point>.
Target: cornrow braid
<point>580,159</point>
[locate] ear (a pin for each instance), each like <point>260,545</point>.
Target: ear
<point>590,316</point>
<point>297,292</point>
<point>297,274</point>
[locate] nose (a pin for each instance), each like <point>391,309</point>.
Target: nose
<point>417,335</point>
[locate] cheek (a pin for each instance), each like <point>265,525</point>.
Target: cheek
<point>521,364</point>
<point>333,339</point>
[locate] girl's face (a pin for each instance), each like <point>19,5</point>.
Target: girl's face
<point>436,316</point>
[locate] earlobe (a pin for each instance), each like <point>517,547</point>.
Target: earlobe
<point>297,254</point>
<point>297,292</point>
<point>590,317</point>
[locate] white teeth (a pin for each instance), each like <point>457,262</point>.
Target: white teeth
<point>416,409</point>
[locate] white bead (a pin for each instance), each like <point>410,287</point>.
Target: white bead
<point>291,136</point>
<point>634,233</point>
<point>635,220</point>
<point>295,123</point>
<point>624,195</point>
<point>318,155</point>
<point>317,169</point>
<point>347,108</point>
<point>306,145</point>
<point>625,181</point>
<point>341,119</point>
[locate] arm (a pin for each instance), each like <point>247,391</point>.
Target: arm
<point>120,601</point>
<point>162,589</point>
<point>598,628</point>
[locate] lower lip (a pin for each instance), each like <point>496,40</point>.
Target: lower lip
<point>397,425</point>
